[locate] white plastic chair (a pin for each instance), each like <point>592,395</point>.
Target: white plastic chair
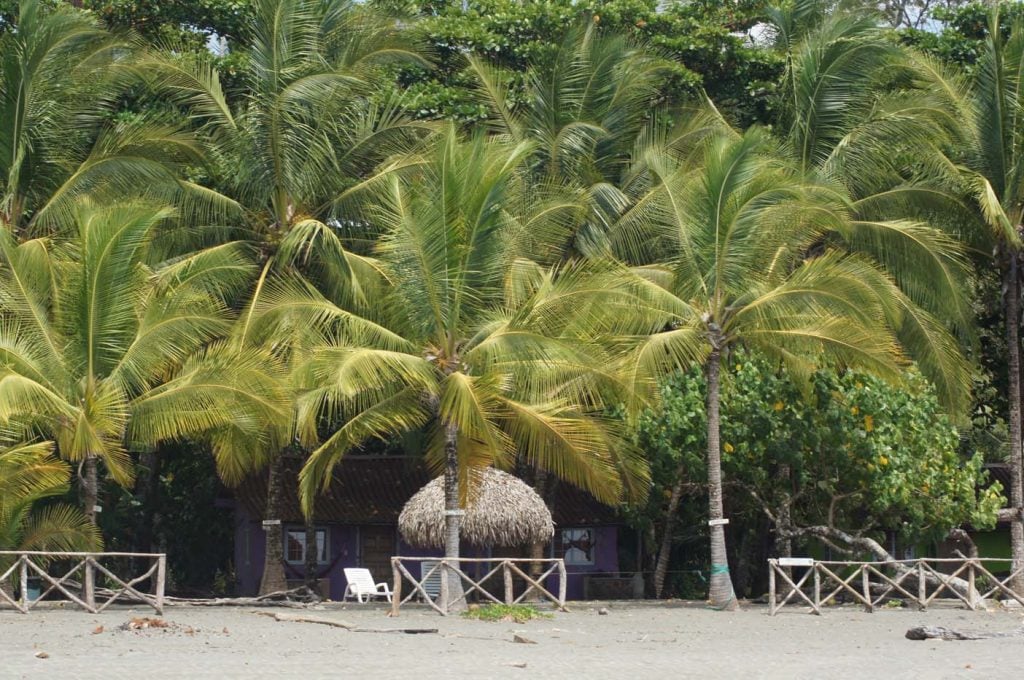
<point>361,586</point>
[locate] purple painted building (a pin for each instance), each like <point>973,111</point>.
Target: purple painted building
<point>357,526</point>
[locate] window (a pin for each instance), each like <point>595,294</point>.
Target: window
<point>578,546</point>
<point>295,546</point>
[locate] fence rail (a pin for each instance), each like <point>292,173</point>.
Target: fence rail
<point>447,567</point>
<point>921,581</point>
<point>85,567</point>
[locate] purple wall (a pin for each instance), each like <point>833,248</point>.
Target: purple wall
<point>606,560</point>
<point>250,547</point>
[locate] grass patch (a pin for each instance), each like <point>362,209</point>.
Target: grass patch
<point>517,613</point>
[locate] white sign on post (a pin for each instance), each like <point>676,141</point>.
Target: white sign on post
<point>796,561</point>
<point>267,523</point>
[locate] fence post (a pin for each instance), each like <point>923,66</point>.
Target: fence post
<point>444,587</point>
<point>23,575</point>
<point>817,589</point>
<point>771,587</point>
<point>161,581</point>
<point>89,585</point>
<point>562,584</point>
<point>922,589</point>
<point>396,590</point>
<point>865,577</point>
<point>971,594</point>
<point>507,574</point>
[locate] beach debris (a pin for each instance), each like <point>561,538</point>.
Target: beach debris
<point>523,640</point>
<point>42,655</point>
<point>97,630</point>
<point>338,623</point>
<point>144,623</point>
<point>943,633</point>
<point>603,611</point>
<point>515,664</point>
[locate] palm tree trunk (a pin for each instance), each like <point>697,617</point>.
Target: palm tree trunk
<point>273,561</point>
<point>722,595</point>
<point>664,553</point>
<point>537,549</point>
<point>452,517</point>
<point>312,556</point>
<point>90,488</point>
<point>1014,399</point>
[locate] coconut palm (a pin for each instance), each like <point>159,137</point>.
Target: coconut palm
<point>310,121</point>
<point>492,353</point>
<point>105,352</point>
<point>979,184</point>
<point>29,473</point>
<point>731,248</point>
<point>61,75</point>
<point>584,111</point>
<point>853,111</point>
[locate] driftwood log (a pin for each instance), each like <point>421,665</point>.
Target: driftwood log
<point>941,633</point>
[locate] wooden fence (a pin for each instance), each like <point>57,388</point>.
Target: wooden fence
<point>508,567</point>
<point>920,581</point>
<point>78,583</point>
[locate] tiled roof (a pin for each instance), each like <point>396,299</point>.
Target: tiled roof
<point>373,490</point>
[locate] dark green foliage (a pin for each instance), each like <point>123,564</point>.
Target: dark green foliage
<point>886,456</point>
<point>705,40</point>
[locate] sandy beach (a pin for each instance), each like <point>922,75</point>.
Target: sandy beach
<point>630,641</point>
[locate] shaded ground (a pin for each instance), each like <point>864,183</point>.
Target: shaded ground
<point>636,642</point>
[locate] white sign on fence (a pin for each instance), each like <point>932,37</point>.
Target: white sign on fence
<point>796,561</point>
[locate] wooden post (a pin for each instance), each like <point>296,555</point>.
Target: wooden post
<point>562,584</point>
<point>161,582</point>
<point>817,588</point>
<point>24,584</point>
<point>971,594</point>
<point>444,587</point>
<point>922,590</point>
<point>509,592</point>
<point>771,587</point>
<point>865,578</point>
<point>89,585</point>
<point>396,590</point>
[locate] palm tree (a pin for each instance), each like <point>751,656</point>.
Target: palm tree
<point>105,352</point>
<point>979,184</point>
<point>309,123</point>
<point>29,473</point>
<point>584,112</point>
<point>61,75</point>
<point>491,352</point>
<point>730,240</point>
<point>853,111</point>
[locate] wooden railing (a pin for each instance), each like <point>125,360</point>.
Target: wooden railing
<point>508,567</point>
<point>920,581</point>
<point>78,583</point>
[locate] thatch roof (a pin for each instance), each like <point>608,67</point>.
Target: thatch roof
<point>503,512</point>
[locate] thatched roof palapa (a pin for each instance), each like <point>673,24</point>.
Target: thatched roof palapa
<point>503,511</point>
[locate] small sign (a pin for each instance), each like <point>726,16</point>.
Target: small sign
<point>717,522</point>
<point>97,508</point>
<point>271,522</point>
<point>796,561</point>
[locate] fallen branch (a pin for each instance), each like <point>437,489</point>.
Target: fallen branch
<point>295,618</point>
<point>941,633</point>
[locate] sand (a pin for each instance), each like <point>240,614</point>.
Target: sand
<point>633,642</point>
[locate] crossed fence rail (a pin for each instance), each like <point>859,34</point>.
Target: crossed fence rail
<point>921,581</point>
<point>446,567</point>
<point>83,592</point>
